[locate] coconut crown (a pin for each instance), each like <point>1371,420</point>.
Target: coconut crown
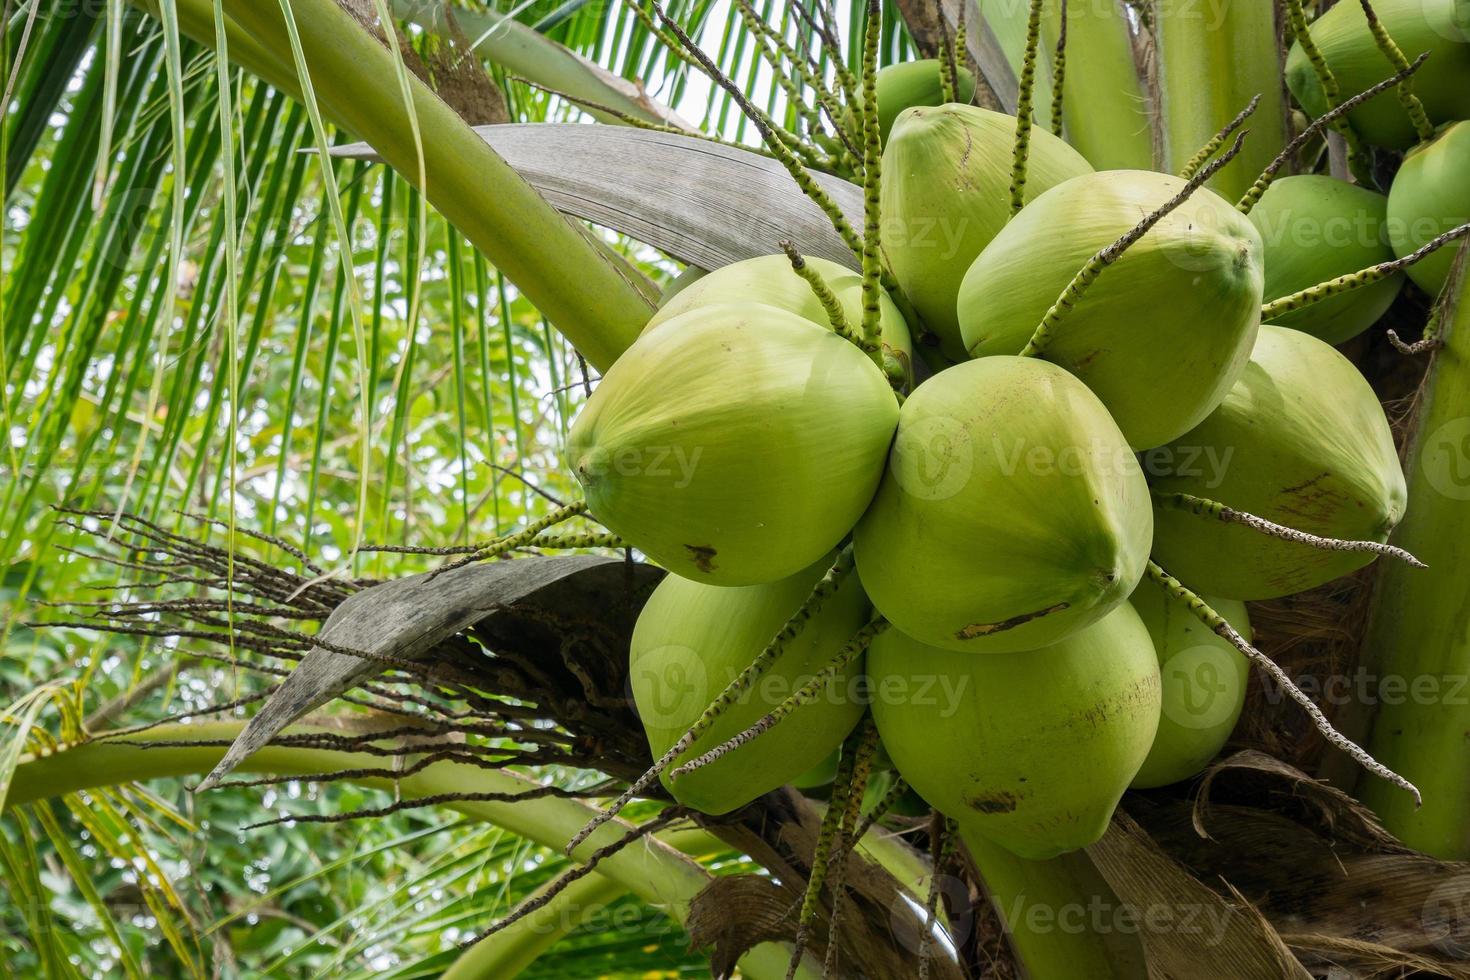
<point>1030,750</point>
<point>1162,333</point>
<point>1012,512</point>
<point>1301,440</point>
<point>1317,228</point>
<point>734,444</point>
<point>769,279</point>
<point>1440,27</point>
<point>692,639</point>
<point>1203,683</point>
<point>945,195</point>
<point>1430,196</point>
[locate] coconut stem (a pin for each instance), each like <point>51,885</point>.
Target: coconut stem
<point>880,810</point>
<point>523,537</point>
<point>753,672</point>
<point>1229,515</point>
<point>1422,126</point>
<point>586,539</point>
<point>1327,118</point>
<point>1046,331</point>
<point>825,296</point>
<point>1356,280</point>
<point>942,833</point>
<point>1331,92</point>
<point>1059,74</point>
<point>1027,85</point>
<point>872,179</point>
<point>1218,140</point>
<point>845,841</point>
<point>768,130</point>
<point>826,834</point>
<point>1218,625</point>
<point>807,693</point>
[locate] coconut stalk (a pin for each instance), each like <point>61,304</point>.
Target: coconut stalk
<point>656,870</point>
<point>1048,907</point>
<point>1417,631</point>
<point>1105,107</point>
<point>1213,59</point>
<point>568,275</point>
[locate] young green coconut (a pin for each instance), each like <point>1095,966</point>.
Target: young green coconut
<point>1300,441</point>
<point>1317,228</point>
<point>1342,35</point>
<point>1203,684</point>
<point>1430,195</point>
<point>693,639</point>
<point>1161,334</point>
<point>770,279</point>
<point>1012,512</point>
<point>915,83</point>
<point>735,444</point>
<point>946,179</point>
<point>1031,750</point>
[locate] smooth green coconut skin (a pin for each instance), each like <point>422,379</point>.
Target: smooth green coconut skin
<point>692,640</point>
<point>1304,443</point>
<point>1441,27</point>
<point>1203,684</point>
<point>1011,514</point>
<point>1031,750</point>
<point>914,83</point>
<point>1430,196</point>
<point>1162,334</point>
<point>1317,228</point>
<point>735,444</point>
<point>770,279</point>
<point>945,195</point>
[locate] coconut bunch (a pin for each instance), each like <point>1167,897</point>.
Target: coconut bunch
<point>986,509</point>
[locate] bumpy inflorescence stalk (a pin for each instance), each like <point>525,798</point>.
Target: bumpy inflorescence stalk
<point>1204,507</point>
<point>1297,19</point>
<point>1395,57</point>
<point>1357,280</point>
<point>1218,140</point>
<point>757,668</point>
<point>942,834</point>
<point>1106,256</point>
<point>805,694</point>
<point>835,316</point>
<point>1025,91</point>
<point>881,808</point>
<point>523,537</point>
<point>585,539</point>
<point>845,841</point>
<point>1201,610</point>
<point>1328,118</point>
<point>872,178</point>
<point>826,835</point>
<point>1059,74</point>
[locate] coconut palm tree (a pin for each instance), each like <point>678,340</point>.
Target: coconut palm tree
<point>300,301</point>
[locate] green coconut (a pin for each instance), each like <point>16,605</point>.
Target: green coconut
<point>1031,750</point>
<point>734,444</point>
<point>770,279</point>
<point>693,639</point>
<point>1440,27</point>
<point>914,83</point>
<point>1301,440</point>
<point>1012,512</point>
<point>687,277</point>
<point>1317,228</point>
<point>1430,196</point>
<point>1203,679</point>
<point>1162,333</point>
<point>945,195</point>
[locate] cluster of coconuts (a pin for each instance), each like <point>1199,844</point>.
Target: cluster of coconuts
<point>1002,516</point>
